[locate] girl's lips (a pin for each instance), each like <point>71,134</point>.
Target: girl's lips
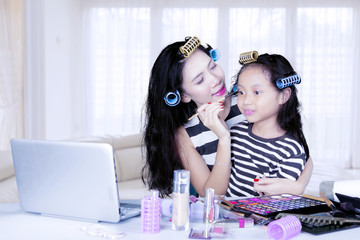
<point>220,92</point>
<point>248,112</point>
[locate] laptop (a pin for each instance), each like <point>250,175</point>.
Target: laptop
<point>75,180</point>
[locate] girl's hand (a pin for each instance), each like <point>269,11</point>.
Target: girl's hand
<point>270,186</point>
<point>209,116</point>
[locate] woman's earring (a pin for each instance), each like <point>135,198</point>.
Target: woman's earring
<point>172,98</point>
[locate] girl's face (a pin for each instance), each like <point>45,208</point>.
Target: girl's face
<point>203,79</point>
<point>258,98</point>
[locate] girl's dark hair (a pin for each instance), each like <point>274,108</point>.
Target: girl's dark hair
<point>289,117</point>
<point>163,121</point>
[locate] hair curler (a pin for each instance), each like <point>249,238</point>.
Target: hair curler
<point>284,228</point>
<point>151,213</point>
<point>215,54</point>
<point>172,98</point>
<point>282,83</point>
<point>190,46</point>
<point>248,57</point>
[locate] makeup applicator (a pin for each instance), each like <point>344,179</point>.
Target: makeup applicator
<point>349,207</point>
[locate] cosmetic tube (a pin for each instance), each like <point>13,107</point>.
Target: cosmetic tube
<point>209,208</point>
<point>235,222</point>
<point>180,210</point>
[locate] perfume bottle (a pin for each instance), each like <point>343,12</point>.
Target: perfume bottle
<point>180,209</point>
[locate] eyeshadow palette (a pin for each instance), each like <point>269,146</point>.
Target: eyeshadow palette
<point>271,205</point>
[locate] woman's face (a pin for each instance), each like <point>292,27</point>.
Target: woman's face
<point>203,79</point>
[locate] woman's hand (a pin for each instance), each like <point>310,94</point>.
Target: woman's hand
<point>209,116</point>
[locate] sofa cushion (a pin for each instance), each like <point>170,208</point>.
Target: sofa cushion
<point>133,189</point>
<point>127,152</point>
<point>8,190</point>
<point>128,163</point>
<point>6,165</point>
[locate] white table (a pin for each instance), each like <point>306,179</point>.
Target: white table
<point>16,224</point>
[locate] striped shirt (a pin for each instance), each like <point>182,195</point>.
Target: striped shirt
<point>252,156</point>
<point>204,140</point>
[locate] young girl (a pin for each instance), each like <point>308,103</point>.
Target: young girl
<point>270,143</point>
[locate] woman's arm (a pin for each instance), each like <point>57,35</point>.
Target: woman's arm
<point>200,176</point>
<point>283,185</point>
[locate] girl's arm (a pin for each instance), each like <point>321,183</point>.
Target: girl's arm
<point>283,185</point>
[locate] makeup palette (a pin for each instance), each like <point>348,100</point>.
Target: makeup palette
<point>271,205</point>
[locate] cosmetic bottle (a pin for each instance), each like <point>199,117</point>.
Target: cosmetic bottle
<point>166,207</point>
<point>180,210</point>
<point>209,207</point>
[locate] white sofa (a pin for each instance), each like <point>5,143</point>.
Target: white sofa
<point>129,162</point>
<point>128,159</point>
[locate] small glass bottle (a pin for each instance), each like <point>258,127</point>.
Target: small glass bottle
<point>209,207</point>
<point>180,211</point>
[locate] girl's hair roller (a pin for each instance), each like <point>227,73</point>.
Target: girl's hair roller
<point>248,57</point>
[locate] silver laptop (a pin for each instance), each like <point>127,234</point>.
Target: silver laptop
<point>74,180</point>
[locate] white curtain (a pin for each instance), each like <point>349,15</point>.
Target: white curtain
<point>117,63</point>
<point>318,37</point>
<point>11,79</point>
<point>325,56</point>
<point>118,41</point>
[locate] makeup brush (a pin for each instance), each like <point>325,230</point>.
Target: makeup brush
<point>260,220</point>
<point>222,99</point>
<point>349,207</point>
<point>335,211</point>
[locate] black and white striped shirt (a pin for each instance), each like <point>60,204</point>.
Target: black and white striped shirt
<point>252,156</point>
<point>204,140</point>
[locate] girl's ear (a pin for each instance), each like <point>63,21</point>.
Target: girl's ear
<point>284,95</point>
<point>185,98</point>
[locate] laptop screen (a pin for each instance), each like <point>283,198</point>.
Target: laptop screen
<point>66,179</point>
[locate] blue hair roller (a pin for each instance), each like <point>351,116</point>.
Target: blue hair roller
<point>215,54</point>
<point>234,89</point>
<point>172,98</point>
<point>282,83</point>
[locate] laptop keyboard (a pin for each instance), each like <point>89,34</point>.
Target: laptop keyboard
<point>128,211</point>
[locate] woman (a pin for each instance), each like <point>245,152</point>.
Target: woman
<point>182,84</point>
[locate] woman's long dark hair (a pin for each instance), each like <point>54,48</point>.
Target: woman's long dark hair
<point>163,121</point>
<point>289,117</point>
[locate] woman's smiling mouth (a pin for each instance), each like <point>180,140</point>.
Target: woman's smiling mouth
<point>221,91</point>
